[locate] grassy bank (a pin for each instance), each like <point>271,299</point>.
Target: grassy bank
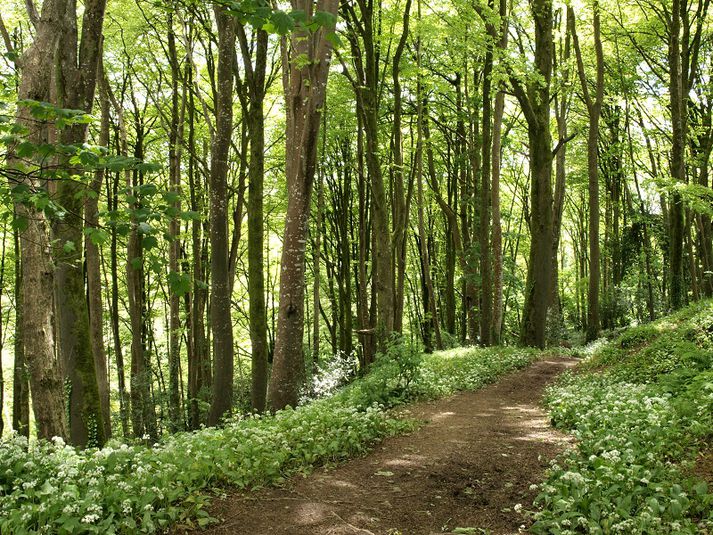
<point>640,408</point>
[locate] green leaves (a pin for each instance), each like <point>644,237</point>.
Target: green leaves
<point>97,236</point>
<point>259,14</point>
<point>280,23</point>
<point>179,283</point>
<point>61,117</point>
<point>634,422</point>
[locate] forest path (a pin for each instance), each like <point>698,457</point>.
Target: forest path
<point>467,467</point>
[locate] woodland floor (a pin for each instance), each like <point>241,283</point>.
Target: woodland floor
<point>468,466</point>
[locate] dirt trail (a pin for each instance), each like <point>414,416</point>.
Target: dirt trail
<point>467,467</point>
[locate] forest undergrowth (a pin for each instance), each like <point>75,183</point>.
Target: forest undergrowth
<point>641,410</point>
<point>51,487</point>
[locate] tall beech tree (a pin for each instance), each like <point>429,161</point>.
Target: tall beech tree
<point>678,97</point>
<point>497,229</point>
<point>534,100</point>
<point>305,57</point>
<point>256,85</point>
<point>66,79</point>
<point>220,318</point>
<point>362,19</point>
<point>594,110</point>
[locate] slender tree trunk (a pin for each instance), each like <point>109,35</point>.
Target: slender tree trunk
<point>143,417</point>
<point>400,202</point>
<point>367,95</point>
<point>199,370</point>
<point>124,408</point>
<point>486,281</point>
<point>93,267</point>
<point>255,80</point>
<point>430,313</point>
<point>316,246</point>
<point>220,318</point>
<point>497,230</point>
<point>594,108</point>
<point>678,163</point>
<point>365,331</point>
<point>20,384</point>
<point>561,104</point>
<point>174,249</point>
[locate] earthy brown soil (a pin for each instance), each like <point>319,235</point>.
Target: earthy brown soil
<point>704,466</point>
<point>468,466</point>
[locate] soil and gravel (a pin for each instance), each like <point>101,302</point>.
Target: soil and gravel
<point>470,465</point>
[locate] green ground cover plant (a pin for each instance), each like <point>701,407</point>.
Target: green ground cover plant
<point>640,409</point>
<point>50,487</point>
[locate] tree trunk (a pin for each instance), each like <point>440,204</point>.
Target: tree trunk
<point>497,230</point>
<point>20,384</point>
<point>255,80</point>
<point>536,108</point>
<point>37,278</point>
<point>305,88</point>
<point>367,96</point>
<point>175,135</point>
<point>486,282</point>
<point>73,87</point>
<point>124,408</point>
<point>678,163</point>
<point>93,266</point>
<point>399,194</point>
<point>199,371</point>
<point>220,318</point>
<point>594,108</point>
<point>61,69</point>
<point>366,334</point>
<point>143,418</point>
<point>316,246</point>
<point>430,313</point>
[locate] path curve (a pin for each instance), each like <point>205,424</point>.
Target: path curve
<point>469,466</point>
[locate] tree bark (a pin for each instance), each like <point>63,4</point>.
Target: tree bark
<point>535,102</point>
<point>93,267</point>
<point>305,88</point>
<point>220,318</point>
<point>594,109</point>
<point>497,229</point>
<point>399,194</point>
<point>37,281</point>
<point>255,80</point>
<point>175,141</point>
<point>367,96</point>
<point>678,162</point>
<point>20,383</point>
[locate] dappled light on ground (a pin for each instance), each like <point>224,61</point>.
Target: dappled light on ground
<point>470,465</point>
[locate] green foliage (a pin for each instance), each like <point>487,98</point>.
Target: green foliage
<point>130,489</point>
<point>391,376</point>
<point>260,14</point>
<point>638,424</point>
<point>54,488</point>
